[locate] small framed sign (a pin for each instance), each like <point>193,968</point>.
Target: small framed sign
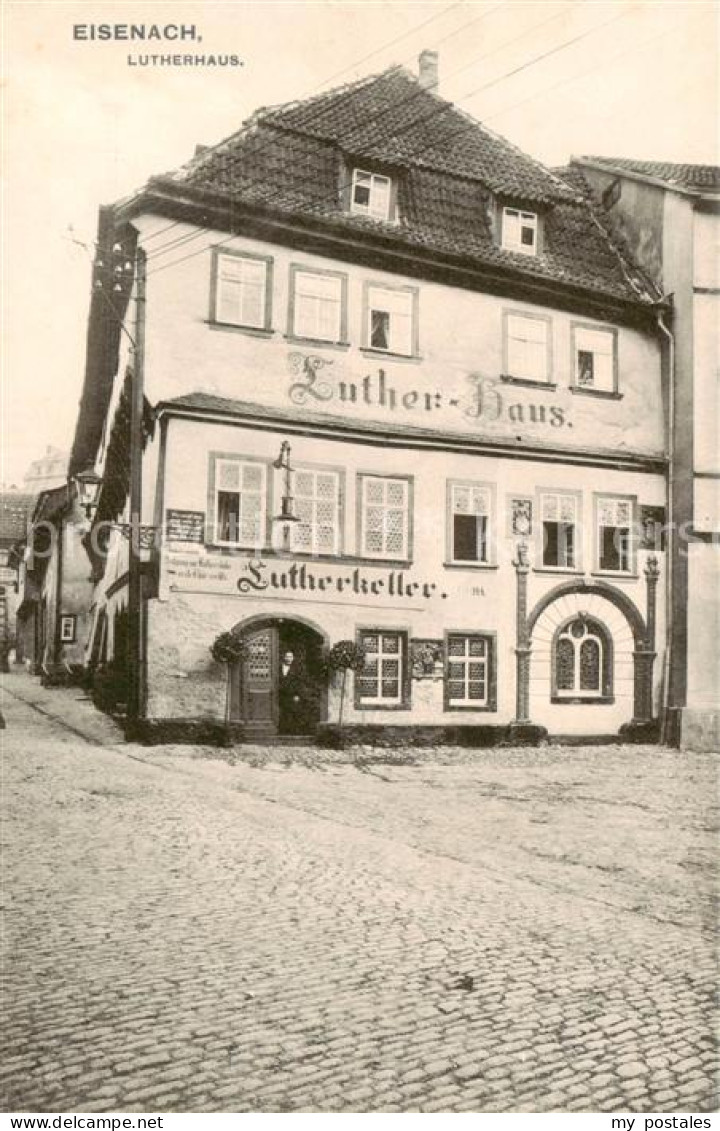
<point>67,628</point>
<point>520,517</point>
<point>185,526</point>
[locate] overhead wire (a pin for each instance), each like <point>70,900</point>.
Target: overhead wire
<point>469,126</point>
<point>415,95</point>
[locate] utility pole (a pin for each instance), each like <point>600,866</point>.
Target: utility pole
<point>135,601</point>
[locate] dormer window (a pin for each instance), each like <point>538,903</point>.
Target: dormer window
<point>371,195</point>
<point>520,231</point>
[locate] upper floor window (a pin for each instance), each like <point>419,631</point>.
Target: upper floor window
<point>469,535</point>
<point>371,194</point>
<point>239,501</point>
<point>519,231</point>
<point>527,347</point>
<point>391,319</point>
<point>384,517</point>
<point>318,305</point>
<point>614,540</point>
<point>559,516</point>
<point>318,507</point>
<point>241,295</point>
<point>594,359</point>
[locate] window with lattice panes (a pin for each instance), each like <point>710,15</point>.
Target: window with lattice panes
<point>594,359</point>
<point>527,347</point>
<point>384,517</point>
<point>317,506</point>
<point>467,671</point>
<point>559,529</point>
<point>382,677</point>
<point>614,534</point>
<point>581,661</point>
<point>469,522</point>
<point>241,291</point>
<point>317,306</point>
<point>240,502</point>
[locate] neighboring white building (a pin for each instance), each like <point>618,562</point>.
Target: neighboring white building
<point>468,375</point>
<point>669,216</point>
<point>47,472</point>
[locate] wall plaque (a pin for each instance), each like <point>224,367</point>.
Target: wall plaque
<point>185,526</point>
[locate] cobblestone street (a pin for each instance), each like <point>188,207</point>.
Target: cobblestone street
<point>501,930</point>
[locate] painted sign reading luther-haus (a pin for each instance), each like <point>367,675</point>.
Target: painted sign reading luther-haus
<point>477,400</point>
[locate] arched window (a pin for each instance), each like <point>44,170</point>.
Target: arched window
<point>582,662</point>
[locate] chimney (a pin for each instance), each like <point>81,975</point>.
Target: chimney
<point>428,70</point>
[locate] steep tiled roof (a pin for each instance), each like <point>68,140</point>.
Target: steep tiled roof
<point>450,170</point>
<point>15,509</point>
<point>702,178</point>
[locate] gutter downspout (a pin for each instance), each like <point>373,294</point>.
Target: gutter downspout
<point>671,534</point>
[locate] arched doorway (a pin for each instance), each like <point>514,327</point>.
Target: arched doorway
<point>280,687</point>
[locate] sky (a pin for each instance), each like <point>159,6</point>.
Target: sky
<point>82,128</point>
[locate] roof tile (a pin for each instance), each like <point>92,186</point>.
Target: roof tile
<point>451,171</point>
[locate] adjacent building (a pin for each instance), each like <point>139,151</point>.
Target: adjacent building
<point>398,385</point>
<point>54,587</point>
<point>669,217</point>
<point>15,507</point>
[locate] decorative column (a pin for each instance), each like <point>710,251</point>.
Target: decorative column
<point>521,729</point>
<point>642,728</point>
<point>522,639</point>
<point>645,654</point>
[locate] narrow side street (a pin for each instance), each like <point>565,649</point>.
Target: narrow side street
<point>503,930</point>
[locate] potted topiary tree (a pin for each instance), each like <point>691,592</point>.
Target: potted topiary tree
<point>228,648</point>
<point>345,656</point>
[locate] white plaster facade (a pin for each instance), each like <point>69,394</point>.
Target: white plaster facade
<point>442,415</point>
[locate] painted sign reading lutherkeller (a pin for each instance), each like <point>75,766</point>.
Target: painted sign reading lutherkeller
<point>194,570</point>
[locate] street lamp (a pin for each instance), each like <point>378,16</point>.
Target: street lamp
<point>88,485</point>
<point>287,514</point>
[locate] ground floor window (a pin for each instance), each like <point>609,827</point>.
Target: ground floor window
<point>383,681</point>
<point>582,662</point>
<point>469,671</point>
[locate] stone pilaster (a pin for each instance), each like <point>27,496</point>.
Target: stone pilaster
<point>521,729</point>
<point>642,727</point>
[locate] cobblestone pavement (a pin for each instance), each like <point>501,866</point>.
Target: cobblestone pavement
<point>507,931</point>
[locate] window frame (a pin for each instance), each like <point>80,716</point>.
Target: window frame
<point>518,379</point>
<point>405,700</point>
<point>607,667</point>
<point>366,339</point>
<point>521,213</point>
<point>362,478</point>
<point>491,535</point>
<point>212,526</point>
<point>339,473</point>
<point>68,621</point>
<point>589,390</point>
<point>490,639</point>
<point>598,498</point>
<point>297,269</point>
<point>539,523</point>
<point>359,211</point>
<point>231,253</point>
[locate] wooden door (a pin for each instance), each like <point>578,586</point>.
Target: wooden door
<point>257,676</point>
